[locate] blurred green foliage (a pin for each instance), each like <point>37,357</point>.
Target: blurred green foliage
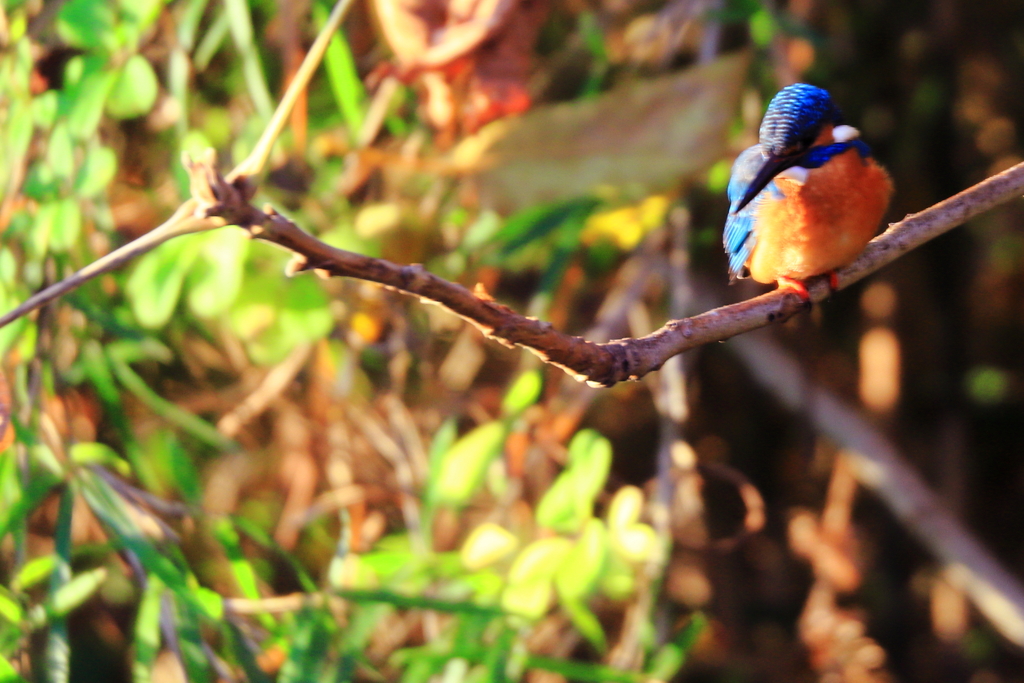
<point>234,475</point>
<point>197,581</point>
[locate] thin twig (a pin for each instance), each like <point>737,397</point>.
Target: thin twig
<point>257,158</point>
<point>275,382</point>
<point>181,223</point>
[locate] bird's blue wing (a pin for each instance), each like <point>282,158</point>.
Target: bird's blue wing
<point>739,237</point>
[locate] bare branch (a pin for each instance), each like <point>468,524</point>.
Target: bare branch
<point>608,363</point>
<point>602,364</point>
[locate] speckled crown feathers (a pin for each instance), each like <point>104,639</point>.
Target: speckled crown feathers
<point>797,112</point>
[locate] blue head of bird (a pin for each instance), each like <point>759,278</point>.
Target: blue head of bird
<point>795,117</point>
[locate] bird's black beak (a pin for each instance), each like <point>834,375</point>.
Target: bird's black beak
<point>771,167</point>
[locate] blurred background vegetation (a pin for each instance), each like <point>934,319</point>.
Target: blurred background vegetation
<point>216,472</point>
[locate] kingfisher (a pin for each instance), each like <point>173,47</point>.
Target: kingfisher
<point>807,198</point>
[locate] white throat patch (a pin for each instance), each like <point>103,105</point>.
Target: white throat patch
<point>845,133</point>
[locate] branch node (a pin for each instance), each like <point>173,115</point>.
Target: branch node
<point>296,265</point>
<point>480,292</point>
<point>216,197</point>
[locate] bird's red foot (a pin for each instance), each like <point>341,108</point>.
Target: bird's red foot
<point>833,281</point>
<point>797,286</point>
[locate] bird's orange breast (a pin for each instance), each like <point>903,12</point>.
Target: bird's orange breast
<point>823,224</point>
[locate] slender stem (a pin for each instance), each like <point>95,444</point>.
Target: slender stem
<point>257,159</point>
<point>181,223</point>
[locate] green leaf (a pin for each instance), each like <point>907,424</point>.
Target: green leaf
<point>183,470</point>
<point>626,507</point>
<point>590,459</point>
<point>308,647</point>
<point>244,573</point>
<point>762,28</point>
<point>418,602</point>
<point>569,502</point>
<point>134,90</point>
<point>635,543</point>
<point>83,98</point>
<point>537,222</point>
<point>154,287</point>
<point>67,225</point>
<point>244,654</point>
<point>529,599</point>
<point>8,270</point>
<point>583,671</point>
<point>540,560</point>
<point>523,393</point>
<point>225,532</point>
<point>385,564</point>
<point>273,317</point>
<point>45,216</point>
<point>216,279</point>
<point>93,453</point>
<point>40,183</point>
<point>142,13</point>
<point>76,591</point>
<point>190,642</point>
<point>96,172</point>
<point>482,231</point>
<point>487,544</point>
<point>10,609</point>
<point>668,660</point>
<point>581,570</point>
<point>19,131</point>
<point>35,571</point>
<point>211,41</point>
<point>7,672</point>
<point>187,22</point>
<point>88,24</point>
<point>530,589</point>
<point>346,84</point>
<point>586,623</point>
<point>108,506</point>
<point>211,601</point>
<point>60,152</point>
<point>240,24</point>
<point>17,511</point>
<point>619,579</point>
<point>464,465</point>
<point>58,650</point>
<point>442,442</point>
<point>147,631</point>
<point>264,539</point>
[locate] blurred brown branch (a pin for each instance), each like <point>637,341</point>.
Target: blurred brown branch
<point>878,466</point>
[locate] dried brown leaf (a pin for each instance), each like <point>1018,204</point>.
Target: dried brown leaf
<point>642,137</point>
